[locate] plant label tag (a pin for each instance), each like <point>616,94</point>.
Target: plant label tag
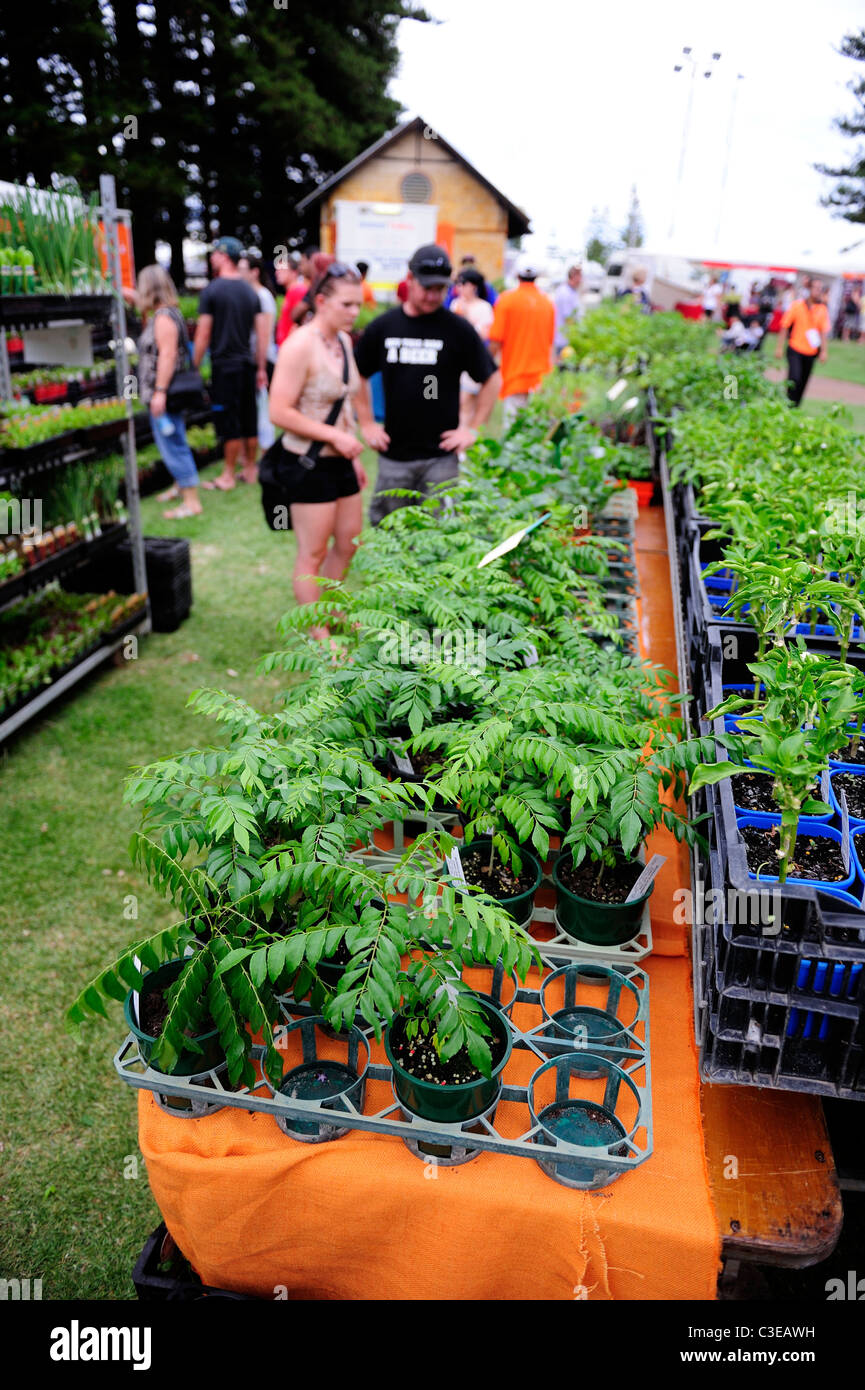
<point>646,877</point>
<point>403,765</point>
<point>455,868</point>
<point>845,828</point>
<point>616,391</point>
<point>135,995</point>
<point>531,656</point>
<point>69,343</point>
<point>824,786</point>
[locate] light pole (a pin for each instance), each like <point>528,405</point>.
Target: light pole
<point>687,54</point>
<point>739,78</point>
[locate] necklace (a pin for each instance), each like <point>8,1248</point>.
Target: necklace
<point>332,345</point>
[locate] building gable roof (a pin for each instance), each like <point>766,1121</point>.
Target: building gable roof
<point>518,223</point>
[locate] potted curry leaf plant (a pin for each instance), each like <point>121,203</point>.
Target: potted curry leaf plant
<point>277,895</point>
<point>622,789</point>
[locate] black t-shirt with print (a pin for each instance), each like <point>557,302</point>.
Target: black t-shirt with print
<point>234,305</point>
<point>421,360</point>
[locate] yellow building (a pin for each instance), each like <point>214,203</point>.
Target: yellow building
<point>413,165</point>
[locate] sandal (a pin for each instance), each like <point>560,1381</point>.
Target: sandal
<point>171,494</point>
<point>216,485</point>
<point>181,513</point>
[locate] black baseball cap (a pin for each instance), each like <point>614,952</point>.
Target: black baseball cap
<point>430,266</point>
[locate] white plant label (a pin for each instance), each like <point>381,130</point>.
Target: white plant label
<point>455,868</point>
<point>616,391</point>
<point>403,765</point>
<point>646,877</point>
<point>845,828</point>
<point>531,656</point>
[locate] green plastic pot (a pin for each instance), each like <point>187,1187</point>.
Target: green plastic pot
<point>601,924</point>
<point>451,1104</point>
<point>521,906</point>
<point>188,1063</point>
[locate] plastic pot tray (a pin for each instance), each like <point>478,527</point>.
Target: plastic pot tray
<point>604,1066</point>
<point>543,926</point>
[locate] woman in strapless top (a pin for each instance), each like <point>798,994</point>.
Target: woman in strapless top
<point>327,513</point>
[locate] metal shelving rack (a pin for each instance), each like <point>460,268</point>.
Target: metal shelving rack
<point>19,310</point>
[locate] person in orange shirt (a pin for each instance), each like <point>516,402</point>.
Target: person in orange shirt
<point>366,288</point>
<point>808,321</point>
<point>523,327</point>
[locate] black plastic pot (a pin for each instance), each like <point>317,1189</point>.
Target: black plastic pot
<point>521,906</point>
<point>451,1104</point>
<point>601,924</point>
<point>188,1063</point>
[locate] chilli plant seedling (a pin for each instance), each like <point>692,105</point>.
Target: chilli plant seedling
<point>790,733</point>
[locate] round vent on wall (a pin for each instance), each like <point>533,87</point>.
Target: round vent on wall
<point>416,188</point>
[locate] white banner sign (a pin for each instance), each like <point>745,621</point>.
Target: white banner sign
<point>385,235</point>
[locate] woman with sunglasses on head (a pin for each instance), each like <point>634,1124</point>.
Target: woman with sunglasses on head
<point>315,371</point>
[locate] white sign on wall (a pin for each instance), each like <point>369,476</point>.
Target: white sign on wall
<point>385,235</point>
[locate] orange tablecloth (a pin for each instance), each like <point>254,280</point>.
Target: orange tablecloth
<point>363,1218</point>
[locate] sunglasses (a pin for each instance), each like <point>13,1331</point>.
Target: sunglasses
<point>337,270</point>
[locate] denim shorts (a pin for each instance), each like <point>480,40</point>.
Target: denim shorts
<point>176,453</point>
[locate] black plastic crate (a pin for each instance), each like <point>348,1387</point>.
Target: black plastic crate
<point>831,1066</point>
<point>696,552</point>
<point>783,1009</point>
<point>163,1275</point>
<point>169,578</point>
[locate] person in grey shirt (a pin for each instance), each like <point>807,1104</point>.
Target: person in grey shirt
<point>568,305</point>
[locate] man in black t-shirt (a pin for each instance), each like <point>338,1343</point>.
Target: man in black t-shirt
<point>227,310</point>
<point>421,349</point>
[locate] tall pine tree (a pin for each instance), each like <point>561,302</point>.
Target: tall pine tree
<point>238,106</point>
<point>848,195</point>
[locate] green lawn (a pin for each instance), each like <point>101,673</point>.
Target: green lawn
<point>854,414</point>
<point>68,1129</point>
<point>846,362</point>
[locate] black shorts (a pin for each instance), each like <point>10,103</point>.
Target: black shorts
<point>330,479</point>
<point>232,392</point>
<point>284,481</point>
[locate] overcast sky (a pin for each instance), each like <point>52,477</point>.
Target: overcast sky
<point>564,105</point>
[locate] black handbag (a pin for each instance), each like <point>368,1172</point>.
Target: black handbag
<point>186,389</point>
<point>278,470</point>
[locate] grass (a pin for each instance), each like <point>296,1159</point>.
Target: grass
<point>845,362</point>
<point>854,415</point>
<point>72,1215</point>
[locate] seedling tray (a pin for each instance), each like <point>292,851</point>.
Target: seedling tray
<point>39,309</point>
<point>543,927</point>
<point>69,558</point>
<point>613,1076</point>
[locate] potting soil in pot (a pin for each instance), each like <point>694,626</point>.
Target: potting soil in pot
<point>419,1057</point>
<point>153,1011</point>
<point>753,792</point>
<point>615,884</point>
<point>424,761</point>
<point>853,786</point>
<point>502,882</point>
<point>815,856</point>
<point>844,755</point>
